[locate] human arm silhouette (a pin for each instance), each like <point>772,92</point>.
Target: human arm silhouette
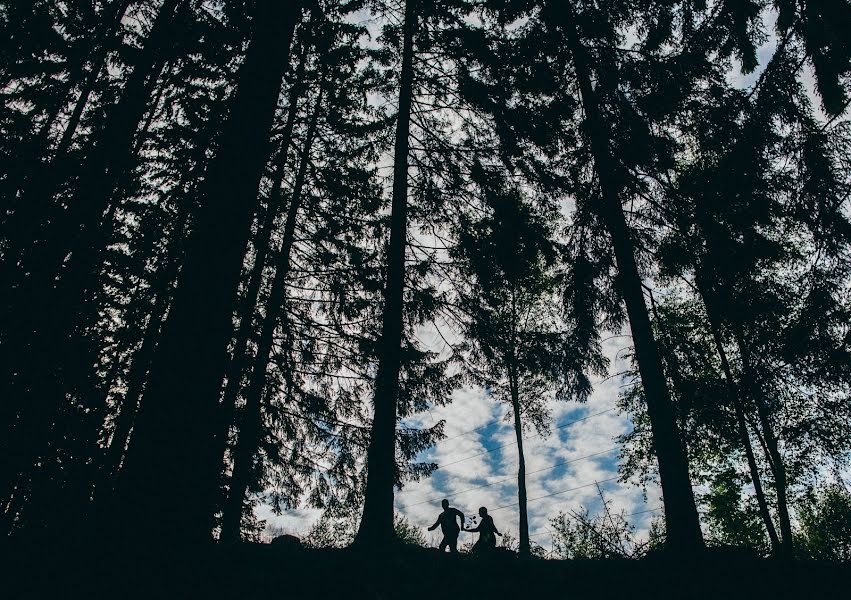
<point>436,523</point>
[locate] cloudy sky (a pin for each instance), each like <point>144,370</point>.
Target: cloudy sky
<point>479,467</point>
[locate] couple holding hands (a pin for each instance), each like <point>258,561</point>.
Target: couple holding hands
<point>449,526</point>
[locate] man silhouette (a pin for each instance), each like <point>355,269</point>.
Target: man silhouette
<point>449,526</point>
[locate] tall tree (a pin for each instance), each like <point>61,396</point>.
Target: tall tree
<point>174,440</point>
<point>520,347</point>
<point>376,526</point>
<point>251,424</point>
<point>683,528</point>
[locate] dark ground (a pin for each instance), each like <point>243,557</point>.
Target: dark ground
<point>264,571</point>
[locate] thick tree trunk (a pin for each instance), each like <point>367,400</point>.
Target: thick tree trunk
<point>376,525</point>
<point>683,525</point>
<point>172,468</point>
<point>251,429</point>
<point>240,358</point>
<point>735,396</point>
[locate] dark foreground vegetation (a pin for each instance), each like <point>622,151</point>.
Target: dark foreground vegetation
<point>263,571</point>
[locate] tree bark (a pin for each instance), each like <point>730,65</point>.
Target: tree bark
<point>174,441</point>
<point>683,525</point>
<point>252,423</point>
<point>376,525</point>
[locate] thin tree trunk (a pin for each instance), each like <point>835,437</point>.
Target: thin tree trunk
<point>252,423</point>
<point>735,397</point>
<point>142,360</point>
<point>100,49</point>
<point>683,525</point>
<point>142,134</point>
<point>668,353</point>
<point>36,157</point>
<point>771,444</point>
<point>525,549</point>
<point>240,357</point>
<point>109,158</point>
<point>376,525</point>
<point>751,387</point>
<point>174,440</point>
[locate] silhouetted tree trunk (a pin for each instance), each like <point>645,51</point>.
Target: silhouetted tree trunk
<point>174,440</point>
<point>35,162</point>
<point>712,303</point>
<point>376,525</point>
<point>61,232</point>
<point>251,428</point>
<point>138,372</point>
<point>525,547</point>
<point>776,462</point>
<point>683,526</point>
<point>741,423</point>
<point>153,109</point>
<point>240,357</point>
<point>100,49</point>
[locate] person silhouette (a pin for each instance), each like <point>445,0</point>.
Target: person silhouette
<point>449,527</point>
<point>486,530</point>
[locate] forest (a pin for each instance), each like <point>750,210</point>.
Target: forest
<point>246,244</point>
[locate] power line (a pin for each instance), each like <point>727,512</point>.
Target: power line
<point>555,493</point>
<point>479,487</point>
<point>498,421</point>
<point>495,448</point>
<point>640,512</point>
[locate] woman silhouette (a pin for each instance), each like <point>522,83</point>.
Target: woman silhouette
<point>486,531</point>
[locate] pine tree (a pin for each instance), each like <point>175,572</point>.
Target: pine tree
<point>520,348</point>
<point>175,440</point>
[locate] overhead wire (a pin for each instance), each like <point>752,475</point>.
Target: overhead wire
<point>495,448</point>
<point>493,483</point>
